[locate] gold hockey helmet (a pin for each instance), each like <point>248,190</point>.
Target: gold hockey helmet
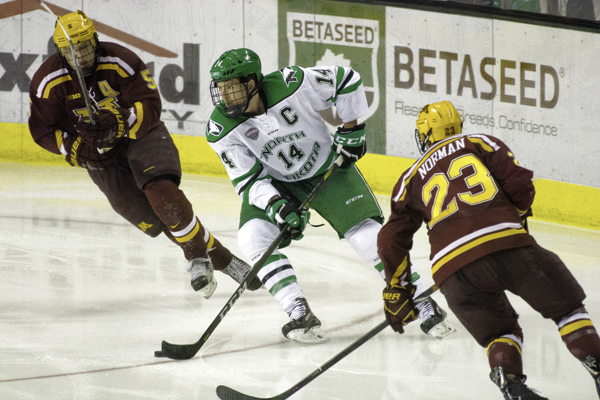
<point>436,122</point>
<point>80,29</point>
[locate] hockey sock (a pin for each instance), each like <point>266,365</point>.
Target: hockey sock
<point>175,211</point>
<point>505,352</point>
<point>579,335</point>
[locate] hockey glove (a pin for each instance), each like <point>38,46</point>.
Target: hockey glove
<point>398,306</point>
<point>283,214</point>
<point>110,126</point>
<point>81,154</point>
<point>350,143</point>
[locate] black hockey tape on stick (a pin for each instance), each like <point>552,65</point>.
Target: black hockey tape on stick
<point>187,351</point>
<point>227,393</point>
<point>84,89</point>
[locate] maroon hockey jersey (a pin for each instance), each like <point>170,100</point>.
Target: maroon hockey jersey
<point>470,193</point>
<point>121,79</point>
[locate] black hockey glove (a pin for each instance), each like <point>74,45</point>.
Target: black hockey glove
<point>283,214</point>
<point>81,154</point>
<point>398,306</point>
<point>350,143</point>
<point>110,126</point>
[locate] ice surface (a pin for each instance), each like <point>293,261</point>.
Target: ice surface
<point>86,299</point>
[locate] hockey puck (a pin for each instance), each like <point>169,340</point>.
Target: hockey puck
<point>159,353</point>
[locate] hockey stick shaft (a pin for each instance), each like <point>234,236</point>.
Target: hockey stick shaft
<point>187,351</point>
<point>226,393</point>
<point>86,96</point>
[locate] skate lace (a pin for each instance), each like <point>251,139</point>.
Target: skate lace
<point>298,311</point>
<point>426,310</point>
<point>199,267</point>
<point>237,269</point>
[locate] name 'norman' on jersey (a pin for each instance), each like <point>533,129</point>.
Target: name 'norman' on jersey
<point>290,142</point>
<point>460,189</point>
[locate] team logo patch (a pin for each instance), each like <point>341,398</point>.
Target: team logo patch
<point>213,128</point>
<point>252,133</point>
<point>288,75</point>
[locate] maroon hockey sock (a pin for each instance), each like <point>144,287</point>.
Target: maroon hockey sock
<point>582,342</point>
<point>174,209</point>
<point>507,356</point>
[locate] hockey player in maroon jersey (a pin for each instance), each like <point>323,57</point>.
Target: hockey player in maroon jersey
<point>474,199</point>
<point>128,152</point>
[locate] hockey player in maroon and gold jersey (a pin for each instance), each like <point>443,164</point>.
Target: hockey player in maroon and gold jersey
<point>128,151</point>
<point>474,199</point>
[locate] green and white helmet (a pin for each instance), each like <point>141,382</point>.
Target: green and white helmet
<point>242,64</point>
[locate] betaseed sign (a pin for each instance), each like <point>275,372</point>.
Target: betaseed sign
<point>503,80</point>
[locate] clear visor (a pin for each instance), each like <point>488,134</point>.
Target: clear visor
<point>86,54</point>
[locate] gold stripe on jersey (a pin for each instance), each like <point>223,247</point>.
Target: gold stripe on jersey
<point>576,325</point>
<point>399,272</point>
<point>59,138</point>
<point>53,83</point>
<point>115,67</point>
<point>484,239</point>
<point>139,112</point>
<point>481,143</point>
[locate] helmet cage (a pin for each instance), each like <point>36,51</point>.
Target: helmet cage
<point>87,55</point>
<point>436,122</point>
<point>243,65</point>
<point>239,98</point>
<point>82,34</point>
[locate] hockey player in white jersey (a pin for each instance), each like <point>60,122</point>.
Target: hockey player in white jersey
<point>275,146</point>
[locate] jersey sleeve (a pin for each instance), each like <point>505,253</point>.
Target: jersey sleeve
<point>138,91</point>
<point>516,181</point>
<point>47,123</point>
<point>248,176</point>
<point>395,240</point>
<point>339,86</point>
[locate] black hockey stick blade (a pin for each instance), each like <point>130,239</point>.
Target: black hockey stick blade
<point>227,393</point>
<point>187,351</point>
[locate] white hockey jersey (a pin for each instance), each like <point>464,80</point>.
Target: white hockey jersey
<point>290,142</point>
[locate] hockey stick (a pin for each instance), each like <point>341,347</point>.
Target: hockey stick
<point>227,393</point>
<point>187,351</point>
<point>86,96</point>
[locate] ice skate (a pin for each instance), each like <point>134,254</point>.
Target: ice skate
<point>433,319</point>
<point>513,386</point>
<point>238,270</point>
<point>592,364</point>
<point>303,327</point>
<point>203,280</point>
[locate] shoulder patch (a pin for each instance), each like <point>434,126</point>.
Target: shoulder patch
<point>288,75</point>
<point>281,84</point>
<point>213,128</point>
<point>219,126</point>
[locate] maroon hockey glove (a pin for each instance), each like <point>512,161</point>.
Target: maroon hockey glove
<point>398,306</point>
<point>110,126</point>
<point>81,154</point>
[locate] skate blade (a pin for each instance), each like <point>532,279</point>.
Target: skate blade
<point>314,335</point>
<point>442,330</point>
<point>208,290</point>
